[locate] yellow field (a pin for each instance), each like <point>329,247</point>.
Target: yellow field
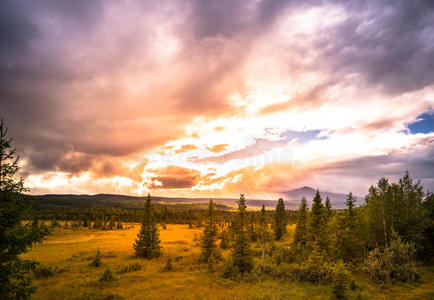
<point>72,250</point>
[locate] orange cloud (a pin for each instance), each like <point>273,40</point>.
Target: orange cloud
<point>185,148</point>
<point>218,148</point>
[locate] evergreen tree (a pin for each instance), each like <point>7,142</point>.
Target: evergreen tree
<point>279,220</point>
<point>318,223</point>
<point>301,230</point>
<point>147,244</point>
<point>15,236</point>
<point>209,248</point>
<point>328,207</point>
<point>263,231</point>
<point>241,254</point>
<point>224,240</point>
<point>350,203</point>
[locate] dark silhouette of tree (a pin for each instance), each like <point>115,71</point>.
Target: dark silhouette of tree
<point>263,231</point>
<point>280,220</point>
<point>16,237</point>
<point>147,244</point>
<point>209,238</point>
<point>241,254</point>
<point>328,207</point>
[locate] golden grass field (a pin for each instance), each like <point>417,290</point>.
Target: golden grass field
<point>72,250</point>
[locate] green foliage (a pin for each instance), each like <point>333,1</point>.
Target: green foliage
<point>340,282</point>
<point>399,207</point>
<point>242,254</point>
<point>147,244</point>
<point>107,276</point>
<point>16,237</point>
<point>224,243</point>
<point>395,262</point>
<point>97,260</point>
<point>280,220</point>
<point>301,230</point>
<point>209,248</point>
<point>318,223</point>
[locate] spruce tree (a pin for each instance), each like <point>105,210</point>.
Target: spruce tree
<point>350,203</point>
<point>263,231</point>
<point>147,244</point>
<point>279,220</point>
<point>241,254</point>
<point>209,247</point>
<point>301,231</point>
<point>328,207</point>
<point>318,223</point>
<point>15,236</point>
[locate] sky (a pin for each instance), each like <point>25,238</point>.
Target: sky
<point>213,98</point>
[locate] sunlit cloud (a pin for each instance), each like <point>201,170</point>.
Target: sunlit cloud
<point>213,98</point>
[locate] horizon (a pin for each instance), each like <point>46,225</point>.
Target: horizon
<point>208,99</point>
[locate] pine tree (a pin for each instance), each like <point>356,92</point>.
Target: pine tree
<point>224,240</point>
<point>15,236</point>
<point>318,223</point>
<point>328,207</point>
<point>209,248</point>
<point>147,244</point>
<point>279,220</point>
<point>301,230</point>
<point>241,254</point>
<point>350,202</point>
<point>263,231</point>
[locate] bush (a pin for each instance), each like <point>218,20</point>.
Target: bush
<point>393,263</point>
<point>42,271</point>
<point>340,279</point>
<point>229,270</point>
<point>107,276</point>
<point>122,269</point>
<point>168,267</point>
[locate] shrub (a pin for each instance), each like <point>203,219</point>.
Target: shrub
<point>229,270</point>
<point>168,267</point>
<point>107,276</point>
<point>122,269</point>
<point>42,271</point>
<point>340,279</point>
<point>396,262</point>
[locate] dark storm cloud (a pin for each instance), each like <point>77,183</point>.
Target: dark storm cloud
<point>420,164</point>
<point>389,43</point>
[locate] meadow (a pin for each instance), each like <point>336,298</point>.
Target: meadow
<point>68,253</point>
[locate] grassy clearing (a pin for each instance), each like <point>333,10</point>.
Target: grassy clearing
<point>69,252</point>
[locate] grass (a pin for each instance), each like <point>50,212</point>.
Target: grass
<point>72,251</point>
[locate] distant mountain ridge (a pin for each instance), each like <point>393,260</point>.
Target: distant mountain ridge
<point>337,200</point>
<point>291,198</point>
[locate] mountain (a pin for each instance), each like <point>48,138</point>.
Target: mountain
<point>294,196</point>
<point>292,199</point>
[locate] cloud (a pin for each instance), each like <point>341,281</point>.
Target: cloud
<point>218,148</point>
<point>186,148</point>
<point>173,177</point>
<point>88,87</point>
